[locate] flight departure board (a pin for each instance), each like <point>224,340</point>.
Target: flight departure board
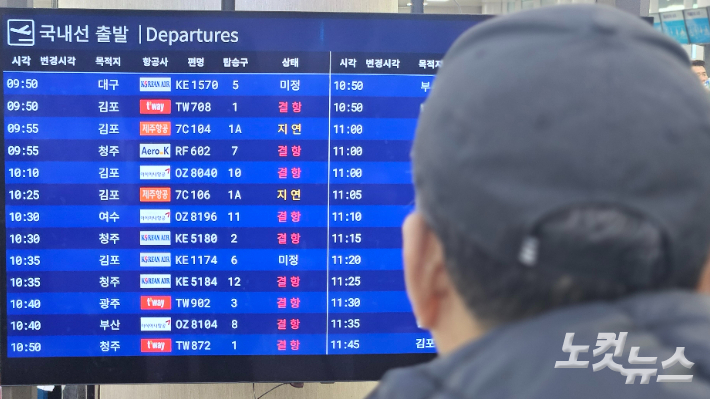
<point>197,196</point>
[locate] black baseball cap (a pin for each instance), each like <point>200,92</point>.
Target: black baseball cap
<point>568,105</point>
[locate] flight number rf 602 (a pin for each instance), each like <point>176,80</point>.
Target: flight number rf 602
<point>195,150</point>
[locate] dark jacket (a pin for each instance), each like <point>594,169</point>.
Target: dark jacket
<point>518,360</point>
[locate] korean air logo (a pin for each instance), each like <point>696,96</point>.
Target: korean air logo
<point>155,238</point>
<point>155,281</point>
<point>155,84</point>
<point>21,32</point>
<point>156,323</point>
<point>155,259</point>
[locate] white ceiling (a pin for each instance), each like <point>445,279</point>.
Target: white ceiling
<point>445,6</point>
<point>446,3</point>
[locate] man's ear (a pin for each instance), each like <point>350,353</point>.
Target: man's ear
<point>704,282</point>
<point>425,273</point>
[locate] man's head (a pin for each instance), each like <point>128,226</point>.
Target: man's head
<point>545,190</point>
<point>698,66</point>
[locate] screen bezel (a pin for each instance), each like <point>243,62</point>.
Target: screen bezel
<point>195,369</point>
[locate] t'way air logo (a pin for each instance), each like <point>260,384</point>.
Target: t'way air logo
<point>156,345</point>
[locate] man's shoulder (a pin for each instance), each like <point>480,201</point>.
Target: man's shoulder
<point>518,360</point>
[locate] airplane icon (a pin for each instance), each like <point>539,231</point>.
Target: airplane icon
<point>20,32</point>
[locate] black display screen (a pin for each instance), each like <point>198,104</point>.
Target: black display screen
<point>198,196</point>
